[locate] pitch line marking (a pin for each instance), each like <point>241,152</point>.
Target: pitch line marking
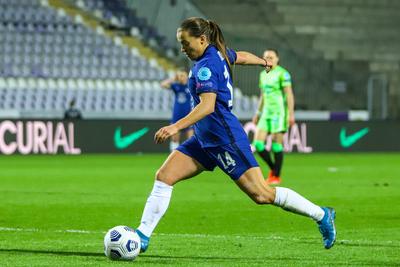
<point>272,237</point>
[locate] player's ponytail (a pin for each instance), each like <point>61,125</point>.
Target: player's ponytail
<point>217,38</point>
<point>197,26</point>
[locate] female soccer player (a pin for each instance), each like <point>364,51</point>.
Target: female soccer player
<point>219,138</point>
<point>182,103</point>
<point>275,113</point>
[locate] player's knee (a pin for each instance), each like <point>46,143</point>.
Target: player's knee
<point>162,176</point>
<point>259,145</point>
<point>277,147</point>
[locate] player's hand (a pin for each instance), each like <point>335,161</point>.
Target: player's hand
<point>255,119</point>
<point>164,133</point>
<point>267,66</point>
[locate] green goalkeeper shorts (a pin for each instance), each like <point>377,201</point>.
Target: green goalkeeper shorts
<point>277,123</point>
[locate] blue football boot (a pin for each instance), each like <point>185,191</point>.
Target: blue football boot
<point>144,241</point>
<point>327,227</point>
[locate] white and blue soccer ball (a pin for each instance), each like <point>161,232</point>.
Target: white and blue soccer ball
<point>121,243</point>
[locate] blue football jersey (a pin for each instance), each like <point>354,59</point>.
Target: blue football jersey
<point>182,103</point>
<point>210,73</point>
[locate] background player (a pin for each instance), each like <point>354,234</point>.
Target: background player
<point>275,113</point>
<point>182,103</point>
<point>219,138</point>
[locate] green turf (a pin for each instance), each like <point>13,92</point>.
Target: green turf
<point>210,222</point>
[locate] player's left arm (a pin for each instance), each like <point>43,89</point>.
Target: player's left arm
<point>290,102</point>
<point>247,58</point>
<point>204,108</point>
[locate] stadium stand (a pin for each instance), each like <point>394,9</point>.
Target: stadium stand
<point>117,15</point>
<point>48,57</point>
<point>323,43</point>
<point>41,42</point>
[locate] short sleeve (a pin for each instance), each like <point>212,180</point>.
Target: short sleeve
<point>206,79</point>
<point>286,79</point>
<point>232,56</point>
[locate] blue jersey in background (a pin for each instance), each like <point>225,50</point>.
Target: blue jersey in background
<point>210,73</point>
<point>182,103</point>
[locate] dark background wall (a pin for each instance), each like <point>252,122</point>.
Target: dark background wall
<point>101,136</point>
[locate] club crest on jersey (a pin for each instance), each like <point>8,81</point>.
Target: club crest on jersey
<point>204,74</point>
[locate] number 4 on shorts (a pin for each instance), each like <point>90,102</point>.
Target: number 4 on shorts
<point>229,161</point>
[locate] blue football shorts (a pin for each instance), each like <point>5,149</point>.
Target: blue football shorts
<point>233,159</point>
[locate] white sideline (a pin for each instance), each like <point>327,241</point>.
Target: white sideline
<point>271,237</point>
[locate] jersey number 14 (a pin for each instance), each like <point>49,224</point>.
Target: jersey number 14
<point>227,161</point>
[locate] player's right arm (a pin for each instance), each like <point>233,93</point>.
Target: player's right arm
<point>204,108</point>
<point>290,102</point>
<point>166,84</point>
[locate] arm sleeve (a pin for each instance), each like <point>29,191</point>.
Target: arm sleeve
<point>232,56</point>
<point>206,79</point>
<point>286,79</point>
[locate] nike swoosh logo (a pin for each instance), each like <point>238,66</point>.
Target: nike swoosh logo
<point>348,141</point>
<point>123,142</point>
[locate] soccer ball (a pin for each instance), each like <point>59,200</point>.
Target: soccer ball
<point>121,243</point>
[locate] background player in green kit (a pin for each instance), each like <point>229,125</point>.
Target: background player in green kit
<point>275,113</point>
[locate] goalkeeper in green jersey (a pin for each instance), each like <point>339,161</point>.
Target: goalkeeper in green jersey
<point>275,113</point>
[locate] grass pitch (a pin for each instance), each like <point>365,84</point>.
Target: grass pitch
<point>55,210</point>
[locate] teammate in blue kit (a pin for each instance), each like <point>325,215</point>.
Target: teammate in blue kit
<point>219,138</point>
<point>182,103</point>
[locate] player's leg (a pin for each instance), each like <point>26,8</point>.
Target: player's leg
<point>185,162</point>
<point>177,167</point>
<point>277,150</point>
<point>259,142</point>
<point>237,161</point>
<point>278,127</point>
<point>251,182</point>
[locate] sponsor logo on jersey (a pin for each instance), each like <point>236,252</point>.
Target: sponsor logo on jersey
<point>206,84</point>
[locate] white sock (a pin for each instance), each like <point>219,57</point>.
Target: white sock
<point>156,205</point>
<point>289,200</point>
<point>173,145</point>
